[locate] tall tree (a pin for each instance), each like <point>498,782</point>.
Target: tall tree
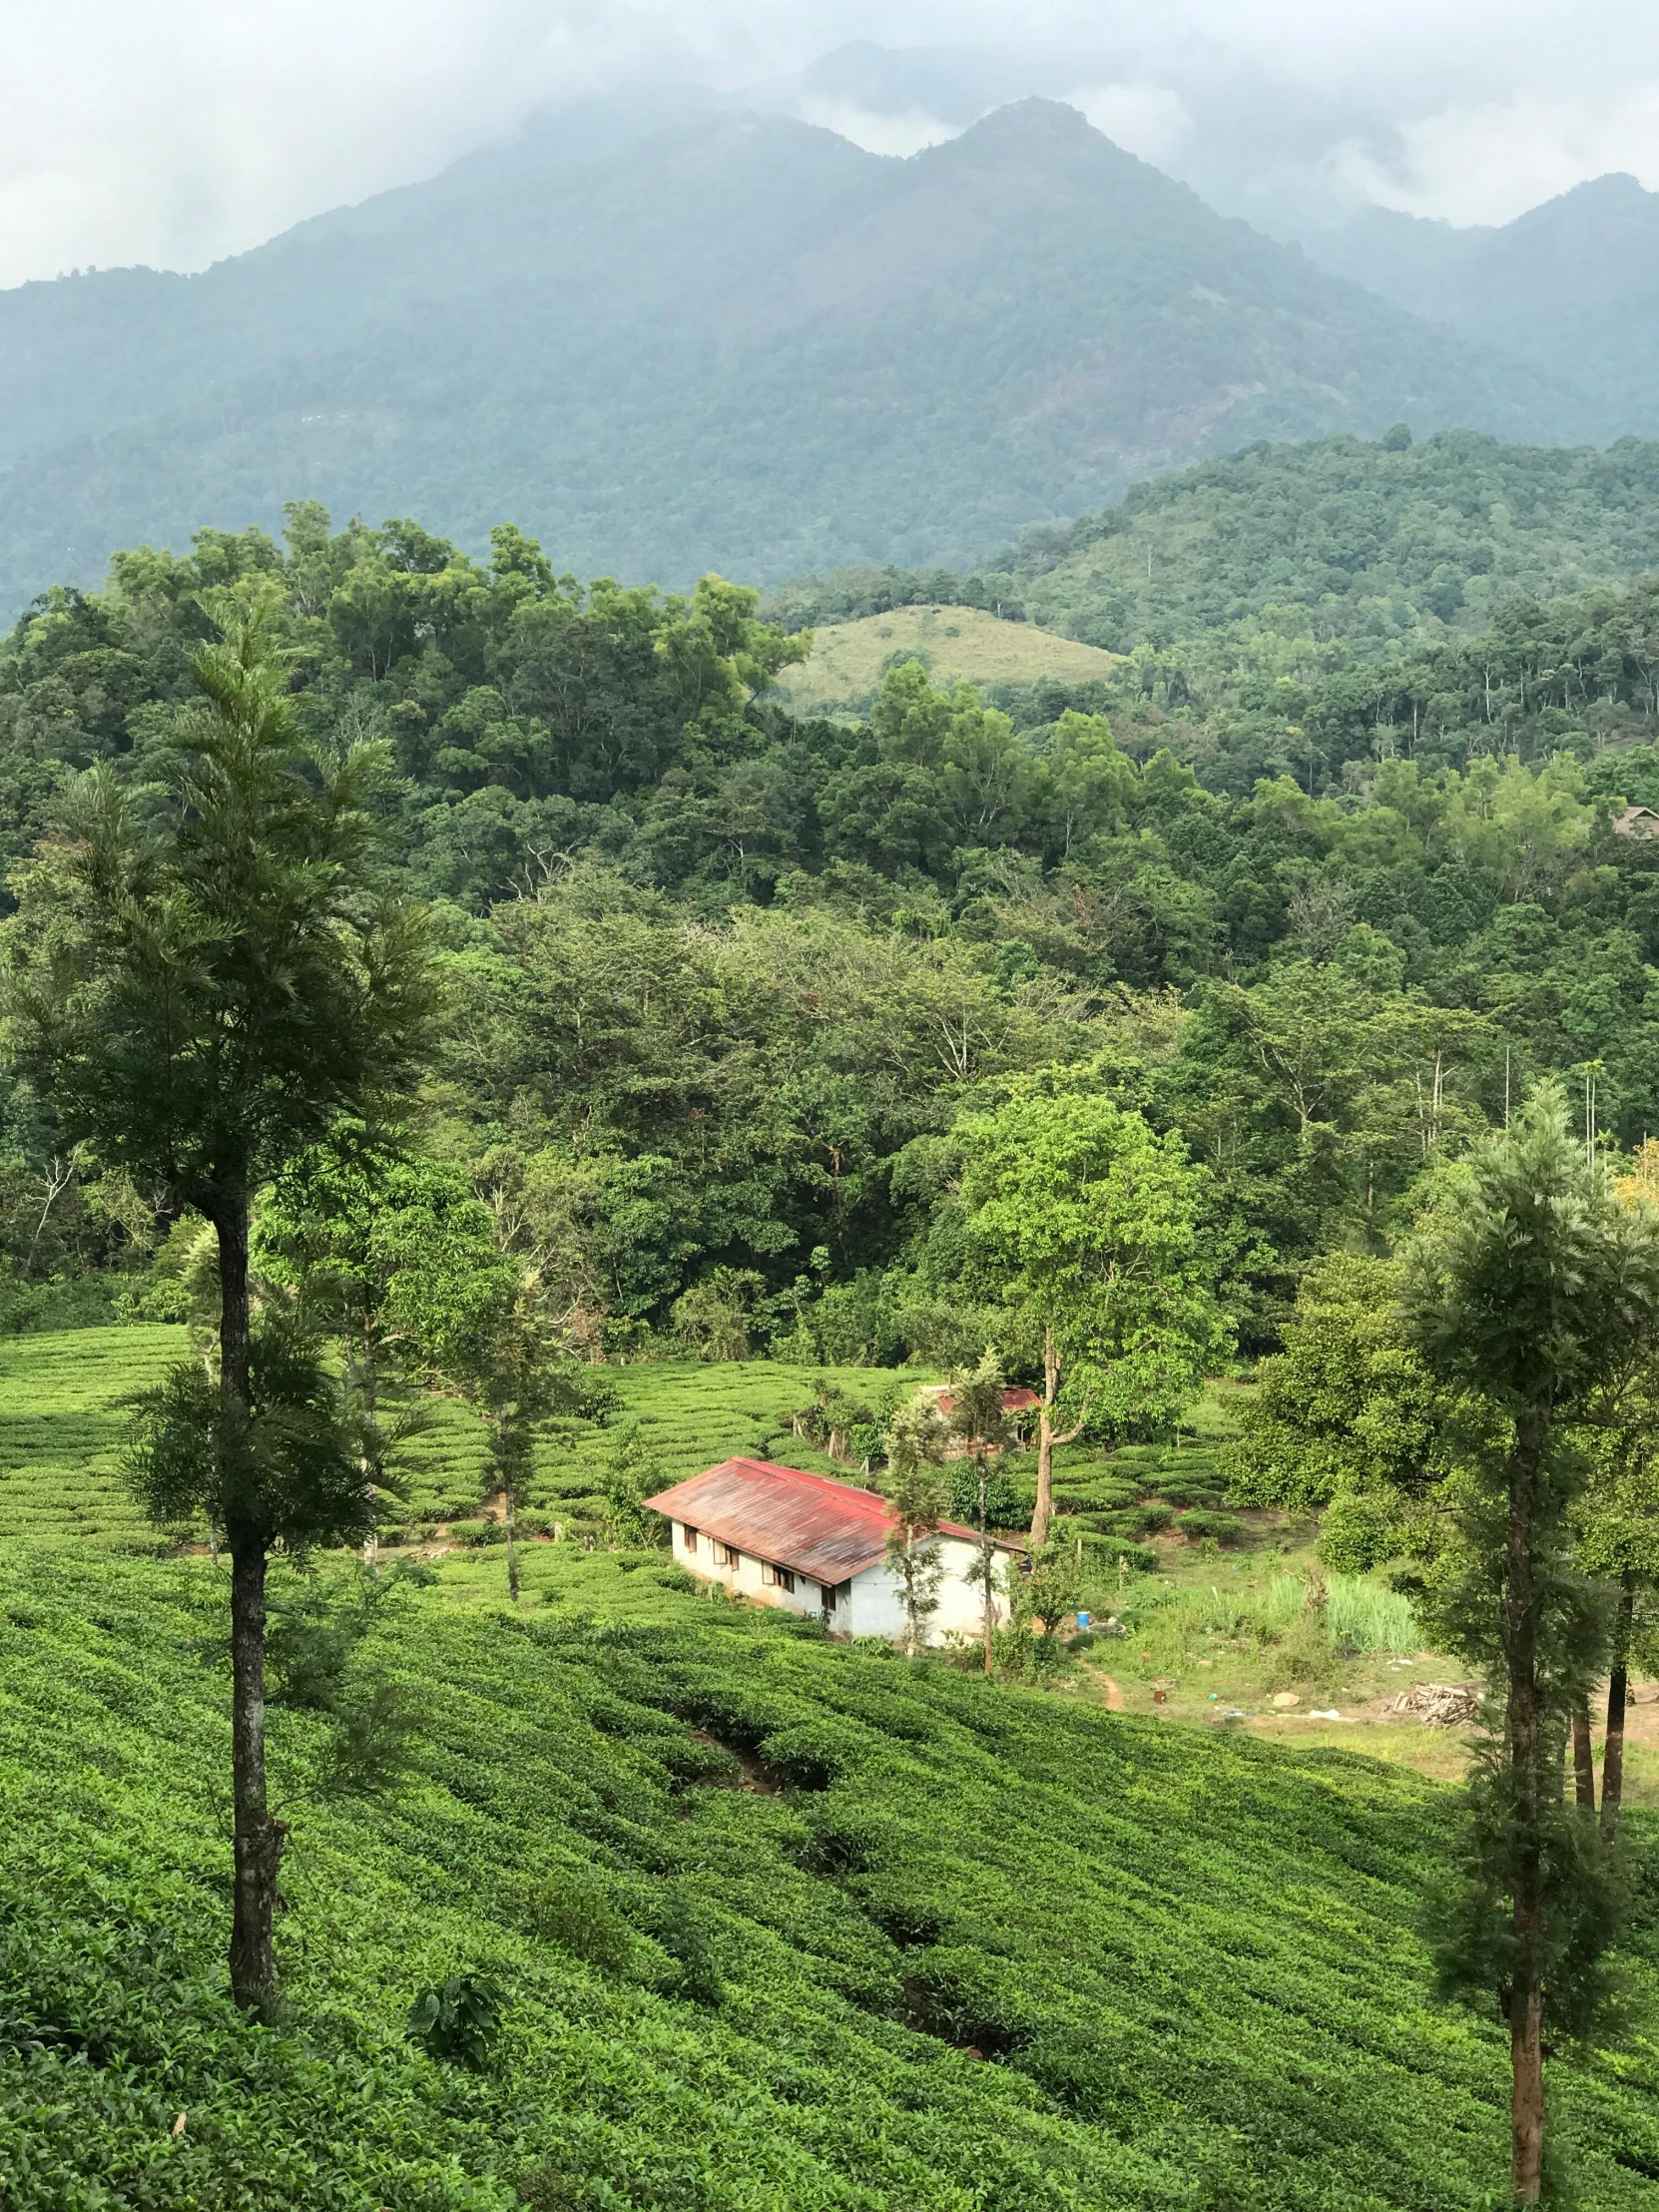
<point>517,1374</point>
<point>1618,1541</point>
<point>205,975</point>
<point>1539,1302</point>
<point>1088,1222</point>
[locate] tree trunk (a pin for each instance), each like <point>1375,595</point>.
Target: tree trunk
<point>1618,1694</point>
<point>370,1460</point>
<point>512,1544</point>
<point>1526,1738</point>
<point>257,1837</point>
<point>1526,2014</point>
<point>1044,1510</point>
<point>987,1563</point>
<point>1584,1758</point>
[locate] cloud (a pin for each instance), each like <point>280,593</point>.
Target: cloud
<point>184,130</point>
<point>1148,120</point>
<point>1488,164</point>
<point>904,132</point>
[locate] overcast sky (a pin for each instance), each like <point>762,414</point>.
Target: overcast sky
<point>177,130</point>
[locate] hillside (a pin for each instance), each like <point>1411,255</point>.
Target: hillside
<point>844,357</point>
<point>1377,542</point>
<point>957,643</point>
<point>1595,245</point>
<point>774,1923</point>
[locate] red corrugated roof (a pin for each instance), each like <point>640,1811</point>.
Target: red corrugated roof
<point>1013,1401</point>
<point>829,1530</point>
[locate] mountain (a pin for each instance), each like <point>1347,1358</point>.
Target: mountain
<point>741,343</point>
<point>1572,287</point>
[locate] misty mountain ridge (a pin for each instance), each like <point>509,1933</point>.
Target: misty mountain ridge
<point>739,342</point>
<point>1571,287</point>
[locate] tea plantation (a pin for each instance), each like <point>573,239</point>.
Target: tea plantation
<point>775,1924</point>
<point>63,1416</point>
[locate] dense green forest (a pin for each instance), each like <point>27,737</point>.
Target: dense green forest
<point>1383,544</point>
<point>723,983</point>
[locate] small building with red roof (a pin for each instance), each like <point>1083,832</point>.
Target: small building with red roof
<point>811,1545</point>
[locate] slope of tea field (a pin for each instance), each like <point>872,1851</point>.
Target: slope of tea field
<point>929,1943</point>
<point>848,659</point>
<point>63,1418</point>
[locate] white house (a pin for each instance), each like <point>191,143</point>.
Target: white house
<point>810,1545</point>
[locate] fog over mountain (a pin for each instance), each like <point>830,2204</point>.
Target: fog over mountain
<point>179,134</point>
<point>744,342</point>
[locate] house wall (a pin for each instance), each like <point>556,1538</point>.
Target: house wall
<point>744,1580</point>
<point>871,1604</point>
<point>877,1599</point>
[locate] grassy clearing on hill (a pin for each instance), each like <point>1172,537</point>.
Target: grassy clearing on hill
<point>974,1948</point>
<point>848,657</point>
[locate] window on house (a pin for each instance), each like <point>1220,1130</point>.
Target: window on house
<point>832,1596</point>
<point>691,1538</point>
<point>777,1578</point>
<point>725,1555</point>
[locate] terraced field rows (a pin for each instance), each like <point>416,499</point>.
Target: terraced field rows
<point>689,1417</point>
<point>63,1423</point>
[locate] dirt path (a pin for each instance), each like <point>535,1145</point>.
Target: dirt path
<point>1112,1692</point>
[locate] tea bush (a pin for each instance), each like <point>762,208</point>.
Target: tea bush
<point>773,1922</point>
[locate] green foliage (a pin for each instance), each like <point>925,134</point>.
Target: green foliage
<point>1221,1528</point>
<point>1006,1502</point>
<point>1363,1615</point>
<point>574,1909</point>
<point>294,1477</point>
<point>1348,1413</point>
<point>1245,1913</point>
<point>721,983</point>
<point>631,1473</point>
<point>1088,1222</point>
<point>1332,538</point>
<point>457,2021</point>
<point>1538,1299</point>
<point>918,1494</point>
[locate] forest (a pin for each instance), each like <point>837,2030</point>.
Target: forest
<point>472,1053</point>
<point>723,983</point>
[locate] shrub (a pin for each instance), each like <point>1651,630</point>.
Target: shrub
<point>681,1927</point>
<point>1221,1528</point>
<point>457,2020</point>
<point>1103,1554</point>
<point>1185,1492</point>
<point>1358,1532</point>
<point>1138,1520</point>
<point>1006,1505</point>
<point>1302,1655</point>
<point>573,1910</point>
<point>478,1532</point>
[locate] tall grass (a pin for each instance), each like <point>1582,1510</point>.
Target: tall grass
<point>1360,1615</point>
<point>1366,1617</point>
<point>1281,1603</point>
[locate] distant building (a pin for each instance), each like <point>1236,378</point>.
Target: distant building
<point>810,1546</point>
<point>1636,821</point>
<point>1014,1403</point>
